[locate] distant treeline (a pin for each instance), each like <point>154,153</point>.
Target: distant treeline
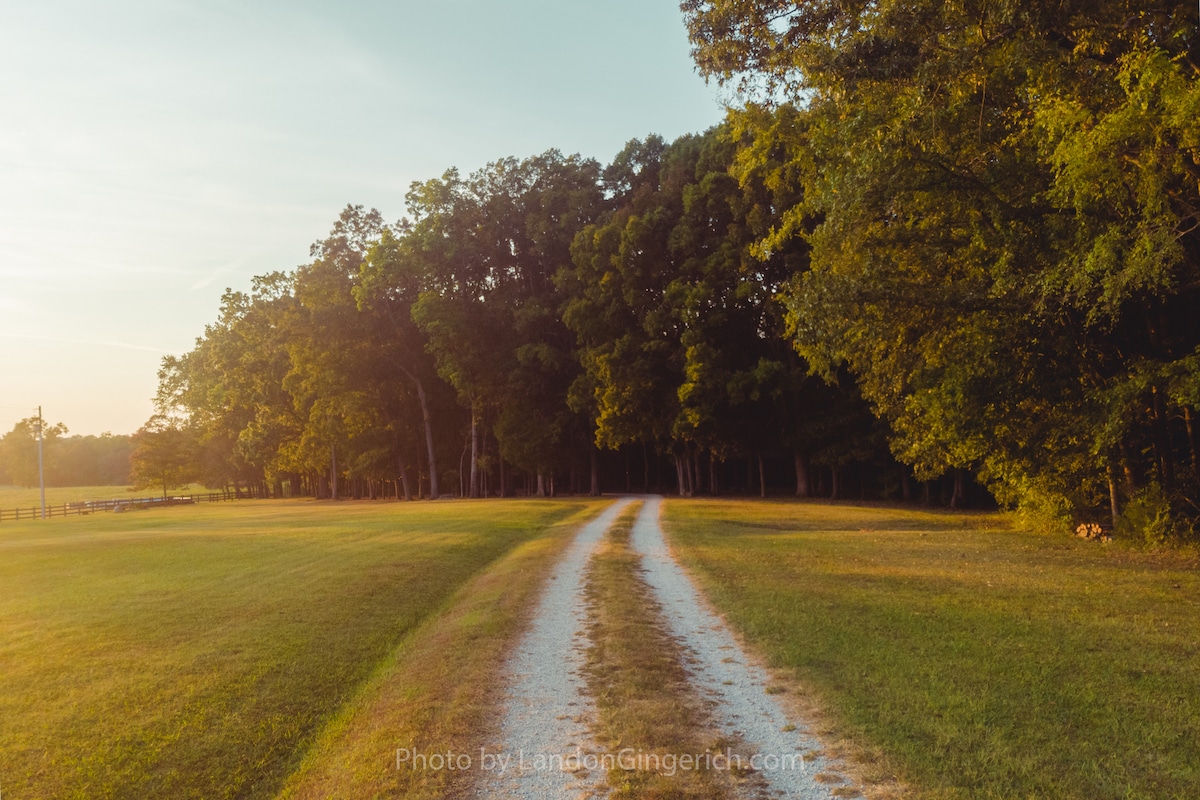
<point>69,460</point>
<point>947,243</point>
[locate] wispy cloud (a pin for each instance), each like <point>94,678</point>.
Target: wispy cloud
<point>211,278</point>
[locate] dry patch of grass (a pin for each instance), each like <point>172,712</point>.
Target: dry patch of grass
<point>647,708</point>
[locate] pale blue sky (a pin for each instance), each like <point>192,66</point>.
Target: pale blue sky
<point>153,152</point>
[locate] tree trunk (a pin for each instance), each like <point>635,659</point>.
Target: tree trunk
<point>541,484</point>
<point>679,476</point>
<point>404,480</point>
<point>801,474</point>
<point>1191,435</point>
<point>762,476</point>
<point>503,478</point>
<point>433,476</point>
<point>595,488</point>
<point>1113,502</point>
<point>473,486</point>
<point>333,476</point>
<point>958,493</point>
<point>1162,442</point>
<point>485,488</point>
<point>645,467</point>
<point>712,475</point>
<point>1127,471</point>
<point>836,492</point>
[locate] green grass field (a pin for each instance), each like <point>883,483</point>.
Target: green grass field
<point>974,660</point>
<point>204,651</point>
<point>285,648</point>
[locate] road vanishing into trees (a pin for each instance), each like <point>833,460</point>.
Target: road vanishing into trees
<point>548,748</point>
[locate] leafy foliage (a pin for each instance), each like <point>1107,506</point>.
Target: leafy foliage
<point>1001,202</point>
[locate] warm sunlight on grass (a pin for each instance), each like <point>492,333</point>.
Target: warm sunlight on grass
<point>439,690</point>
<point>981,661</point>
<point>26,498</point>
<point>198,652</point>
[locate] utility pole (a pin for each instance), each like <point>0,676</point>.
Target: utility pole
<point>41,471</point>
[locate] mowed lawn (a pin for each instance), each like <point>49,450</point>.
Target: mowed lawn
<point>198,651</point>
<point>976,661</point>
<point>26,498</point>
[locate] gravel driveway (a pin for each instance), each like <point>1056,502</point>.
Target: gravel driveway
<point>722,672</point>
<point>546,711</point>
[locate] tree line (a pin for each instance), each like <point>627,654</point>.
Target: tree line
<point>935,247</point>
<point>67,460</point>
<point>541,325</point>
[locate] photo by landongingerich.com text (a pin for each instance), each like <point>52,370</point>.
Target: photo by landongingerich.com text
<point>625,759</point>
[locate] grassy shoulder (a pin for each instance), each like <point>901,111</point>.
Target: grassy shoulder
<point>200,652</point>
<point>438,691</point>
<point>975,660</point>
<point>647,709</point>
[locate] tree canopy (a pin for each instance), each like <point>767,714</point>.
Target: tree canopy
<point>532,326</point>
<point>1001,201</point>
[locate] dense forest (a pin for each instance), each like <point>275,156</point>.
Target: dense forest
<point>938,252</point>
<point>543,325</point>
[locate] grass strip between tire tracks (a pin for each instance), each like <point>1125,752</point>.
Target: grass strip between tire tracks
<point>635,671</point>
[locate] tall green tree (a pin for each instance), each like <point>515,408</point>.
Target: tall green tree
<point>231,386</point>
<point>164,454</point>
<point>1001,204</point>
<point>356,378</point>
<point>388,286</point>
<point>681,331</point>
<point>488,248</point>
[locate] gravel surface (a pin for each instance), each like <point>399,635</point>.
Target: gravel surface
<point>722,672</point>
<point>546,711</point>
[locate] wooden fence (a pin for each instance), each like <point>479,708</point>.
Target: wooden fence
<point>116,505</point>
